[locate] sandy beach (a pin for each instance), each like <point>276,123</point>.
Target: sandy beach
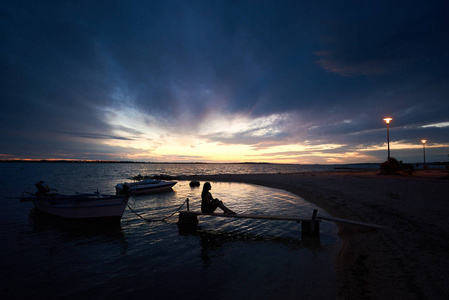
<point>407,260</point>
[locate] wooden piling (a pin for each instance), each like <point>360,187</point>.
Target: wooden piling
<point>311,228</point>
<point>187,222</point>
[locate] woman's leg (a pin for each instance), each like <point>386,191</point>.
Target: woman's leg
<point>225,209</point>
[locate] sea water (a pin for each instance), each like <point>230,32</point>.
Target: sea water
<point>44,257</point>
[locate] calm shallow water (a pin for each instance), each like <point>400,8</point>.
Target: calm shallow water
<point>50,258</point>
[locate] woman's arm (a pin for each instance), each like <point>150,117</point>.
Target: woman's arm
<point>208,199</point>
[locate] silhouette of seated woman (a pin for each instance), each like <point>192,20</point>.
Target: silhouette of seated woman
<point>209,204</point>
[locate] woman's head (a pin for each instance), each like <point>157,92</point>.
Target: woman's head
<point>207,186</point>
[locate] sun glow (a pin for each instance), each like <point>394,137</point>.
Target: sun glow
<point>214,139</point>
<point>227,138</point>
<point>231,124</point>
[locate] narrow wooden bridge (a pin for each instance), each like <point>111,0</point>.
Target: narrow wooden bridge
<point>188,220</point>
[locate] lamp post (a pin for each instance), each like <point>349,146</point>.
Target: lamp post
<point>424,151</point>
<point>388,120</point>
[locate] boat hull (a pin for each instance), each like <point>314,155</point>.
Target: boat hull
<point>148,187</point>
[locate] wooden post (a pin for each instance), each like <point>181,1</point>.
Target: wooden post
<point>311,228</point>
<point>187,222</point>
<point>187,201</point>
<point>312,225</point>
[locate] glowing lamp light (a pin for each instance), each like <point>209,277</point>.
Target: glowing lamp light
<point>387,120</point>
<point>423,141</point>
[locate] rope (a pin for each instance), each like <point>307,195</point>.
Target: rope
<point>158,220</point>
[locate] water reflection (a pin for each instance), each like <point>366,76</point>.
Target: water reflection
<point>81,231</point>
<point>212,241</point>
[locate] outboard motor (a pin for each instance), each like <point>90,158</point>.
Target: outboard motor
<point>42,188</point>
<point>122,189</point>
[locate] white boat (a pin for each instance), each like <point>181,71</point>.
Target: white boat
<point>79,206</point>
<point>147,186</point>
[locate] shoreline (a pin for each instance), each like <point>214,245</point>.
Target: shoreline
<point>408,259</point>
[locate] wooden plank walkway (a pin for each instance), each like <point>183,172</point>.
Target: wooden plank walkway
<point>309,227</point>
<point>246,216</point>
<point>188,221</point>
<point>285,218</point>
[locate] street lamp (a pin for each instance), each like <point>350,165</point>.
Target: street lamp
<point>388,120</point>
<point>424,151</point>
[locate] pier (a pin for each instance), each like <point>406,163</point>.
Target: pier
<point>188,220</point>
<point>310,227</point>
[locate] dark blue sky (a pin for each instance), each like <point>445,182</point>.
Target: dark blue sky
<point>281,81</point>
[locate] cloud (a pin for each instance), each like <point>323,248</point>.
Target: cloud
<point>96,136</point>
<point>438,125</point>
<point>351,69</point>
<point>95,78</point>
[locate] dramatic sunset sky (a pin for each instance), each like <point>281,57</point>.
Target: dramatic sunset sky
<point>224,81</point>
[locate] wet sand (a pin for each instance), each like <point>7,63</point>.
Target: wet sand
<point>407,260</point>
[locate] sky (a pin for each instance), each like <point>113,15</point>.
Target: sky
<point>304,82</point>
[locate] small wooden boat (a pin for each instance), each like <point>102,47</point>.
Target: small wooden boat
<point>147,186</point>
<point>79,206</point>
